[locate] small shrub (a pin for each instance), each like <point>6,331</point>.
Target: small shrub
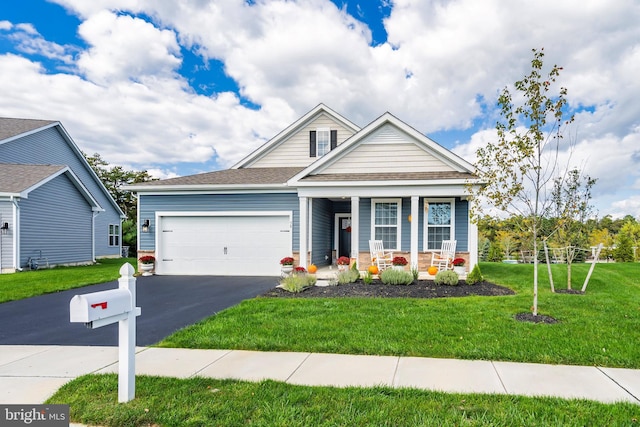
<point>447,277</point>
<point>297,282</point>
<point>475,276</point>
<point>368,278</point>
<point>349,276</point>
<point>415,273</point>
<point>392,276</point>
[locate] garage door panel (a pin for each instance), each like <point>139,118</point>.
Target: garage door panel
<point>223,245</point>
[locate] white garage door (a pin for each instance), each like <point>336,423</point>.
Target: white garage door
<point>223,245</point>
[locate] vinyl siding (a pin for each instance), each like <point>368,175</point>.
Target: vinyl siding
<point>150,204</point>
<point>322,229</point>
<point>295,150</point>
<point>400,152</point>
<point>56,224</point>
<point>49,147</point>
<point>462,225</point>
<point>6,240</point>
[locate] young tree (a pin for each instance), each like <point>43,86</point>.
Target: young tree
<point>571,207</point>
<point>519,166</point>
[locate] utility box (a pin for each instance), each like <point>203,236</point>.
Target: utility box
<point>101,308</point>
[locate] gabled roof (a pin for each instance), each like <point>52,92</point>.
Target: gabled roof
<point>10,128</point>
<point>19,180</point>
<point>461,169</point>
<point>292,129</point>
<point>229,178</point>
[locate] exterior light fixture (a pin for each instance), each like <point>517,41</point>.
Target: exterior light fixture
<point>145,226</point>
<point>5,228</point>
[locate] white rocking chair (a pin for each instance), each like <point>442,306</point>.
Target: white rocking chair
<point>381,258</point>
<point>444,260</point>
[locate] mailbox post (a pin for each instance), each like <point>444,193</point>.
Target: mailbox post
<point>104,308</point>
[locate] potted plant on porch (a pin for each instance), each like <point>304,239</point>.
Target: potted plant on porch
<point>146,264</point>
<point>399,262</point>
<point>286,264</point>
<point>343,262</point>
<point>458,266</point>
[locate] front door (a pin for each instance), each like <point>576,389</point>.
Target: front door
<point>344,236</point>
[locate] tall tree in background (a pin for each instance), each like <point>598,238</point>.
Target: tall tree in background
<point>114,178</point>
<point>520,165</point>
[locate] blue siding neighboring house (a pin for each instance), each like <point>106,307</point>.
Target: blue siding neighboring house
<point>56,208</point>
<point>321,188</point>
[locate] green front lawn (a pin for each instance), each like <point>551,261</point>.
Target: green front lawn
<point>208,402</point>
<point>28,284</point>
<point>600,328</point>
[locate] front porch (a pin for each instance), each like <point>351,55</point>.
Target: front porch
<point>411,226</point>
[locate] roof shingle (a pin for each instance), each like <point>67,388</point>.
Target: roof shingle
<point>18,178</point>
<point>11,127</point>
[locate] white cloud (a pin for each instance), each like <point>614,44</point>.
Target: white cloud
<point>442,60</point>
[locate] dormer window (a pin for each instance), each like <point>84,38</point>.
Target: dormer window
<point>321,141</point>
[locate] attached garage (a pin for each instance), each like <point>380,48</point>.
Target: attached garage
<point>222,243</point>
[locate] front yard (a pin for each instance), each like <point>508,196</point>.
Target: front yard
<point>601,327</point>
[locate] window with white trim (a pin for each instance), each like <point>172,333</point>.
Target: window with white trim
<point>323,142</point>
<point>385,222</point>
<point>114,235</point>
<point>439,222</point>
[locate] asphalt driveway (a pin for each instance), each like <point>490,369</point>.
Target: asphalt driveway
<point>168,303</point>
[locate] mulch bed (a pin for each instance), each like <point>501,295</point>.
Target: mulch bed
<point>419,289</point>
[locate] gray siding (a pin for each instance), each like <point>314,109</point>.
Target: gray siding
<point>6,240</point>
<point>462,225</point>
<point>323,230</point>
<point>55,222</point>
<point>150,204</point>
<point>49,147</point>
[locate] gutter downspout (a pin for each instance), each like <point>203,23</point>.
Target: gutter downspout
<point>93,235</point>
<point>16,232</point>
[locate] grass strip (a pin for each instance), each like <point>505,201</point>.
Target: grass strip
<point>206,402</point>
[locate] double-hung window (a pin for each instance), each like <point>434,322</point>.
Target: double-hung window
<point>322,142</point>
<point>385,222</point>
<point>439,222</point>
<point>114,235</point>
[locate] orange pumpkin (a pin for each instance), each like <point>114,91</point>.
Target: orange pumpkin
<point>433,270</point>
<point>373,269</point>
<point>312,269</point>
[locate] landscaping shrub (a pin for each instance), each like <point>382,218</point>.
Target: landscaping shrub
<point>415,273</point>
<point>396,277</point>
<point>297,282</point>
<point>448,277</point>
<point>349,276</point>
<point>475,276</point>
<point>368,278</point>
<point>495,253</point>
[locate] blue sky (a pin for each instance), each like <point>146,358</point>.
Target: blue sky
<point>192,86</point>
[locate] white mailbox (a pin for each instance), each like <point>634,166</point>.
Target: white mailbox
<point>101,308</point>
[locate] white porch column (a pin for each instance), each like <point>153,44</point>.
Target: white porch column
<point>355,227</point>
<point>473,244</point>
<point>304,230</point>
<point>414,230</point>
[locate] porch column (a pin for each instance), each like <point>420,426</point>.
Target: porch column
<point>473,244</point>
<point>415,221</point>
<point>355,227</point>
<point>304,230</point>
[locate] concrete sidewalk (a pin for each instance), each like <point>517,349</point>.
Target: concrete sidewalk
<point>30,374</point>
